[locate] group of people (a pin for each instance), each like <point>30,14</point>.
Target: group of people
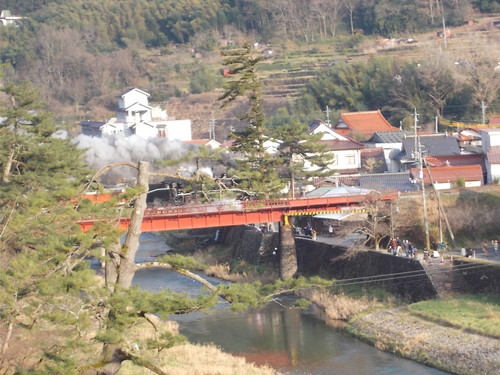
<point>398,246</point>
<point>307,231</point>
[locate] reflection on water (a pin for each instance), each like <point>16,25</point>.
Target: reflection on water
<point>295,342</point>
<point>290,340</point>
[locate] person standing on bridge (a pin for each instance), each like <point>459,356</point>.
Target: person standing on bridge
<point>330,230</point>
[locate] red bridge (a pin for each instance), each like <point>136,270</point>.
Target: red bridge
<point>234,212</point>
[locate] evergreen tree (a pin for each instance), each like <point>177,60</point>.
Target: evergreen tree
<point>303,154</point>
<point>257,168</point>
<point>43,269</point>
<point>52,302</point>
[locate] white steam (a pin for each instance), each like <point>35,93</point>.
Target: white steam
<point>114,149</point>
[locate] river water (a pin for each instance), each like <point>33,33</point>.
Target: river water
<point>287,339</point>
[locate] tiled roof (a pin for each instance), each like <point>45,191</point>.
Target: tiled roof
<point>396,136</point>
<point>366,123</point>
<point>334,191</point>
<point>387,181</point>
<point>92,124</point>
<point>399,181</point>
<point>126,91</point>
<point>314,124</point>
<point>433,145</point>
<point>450,174</point>
<point>493,155</point>
<point>337,145</point>
<point>455,160</point>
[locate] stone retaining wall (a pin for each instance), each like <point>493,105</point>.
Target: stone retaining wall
<point>407,277</point>
<point>481,277</point>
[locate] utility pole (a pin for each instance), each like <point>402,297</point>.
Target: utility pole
<point>211,129</point>
<point>444,26</point>
<point>420,160</point>
<point>483,110</point>
<point>328,116</point>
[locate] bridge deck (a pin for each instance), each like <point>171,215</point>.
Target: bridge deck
<point>233,212</point>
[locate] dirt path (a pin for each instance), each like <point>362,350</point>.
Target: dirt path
<point>446,348</point>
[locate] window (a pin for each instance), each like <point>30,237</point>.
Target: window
<point>350,159</point>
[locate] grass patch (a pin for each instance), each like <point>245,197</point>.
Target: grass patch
<point>475,313</point>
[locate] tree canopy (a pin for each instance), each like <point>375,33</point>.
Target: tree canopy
<point>257,168</point>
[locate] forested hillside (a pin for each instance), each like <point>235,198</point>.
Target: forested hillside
<point>80,53</point>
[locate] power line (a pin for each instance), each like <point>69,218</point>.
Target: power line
<point>406,275</point>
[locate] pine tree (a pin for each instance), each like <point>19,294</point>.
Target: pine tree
<point>303,155</point>
<point>257,168</point>
<point>43,267</point>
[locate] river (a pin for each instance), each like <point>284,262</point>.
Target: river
<point>290,340</point>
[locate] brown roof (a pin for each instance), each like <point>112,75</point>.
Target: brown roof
<point>455,160</point>
<point>337,145</point>
<point>364,123</point>
<point>493,155</point>
<point>451,174</point>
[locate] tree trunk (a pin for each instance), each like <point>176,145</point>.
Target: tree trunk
<point>120,267</point>
<point>8,166</point>
<point>127,262</point>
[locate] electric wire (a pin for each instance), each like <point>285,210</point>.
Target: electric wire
<point>398,276</point>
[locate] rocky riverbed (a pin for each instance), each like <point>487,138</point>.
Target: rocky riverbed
<point>446,348</point>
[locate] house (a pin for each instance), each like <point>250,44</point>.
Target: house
<point>448,177</point>
<point>469,139</point>
<point>441,144</point>
<point>135,116</point>
<point>491,149</point>
<point>346,151</point>
<point>362,125</point>
<point>391,143</point>
<point>347,154</point>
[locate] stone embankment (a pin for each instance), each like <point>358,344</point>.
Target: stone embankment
<point>445,348</point>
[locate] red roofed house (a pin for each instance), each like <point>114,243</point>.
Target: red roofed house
<point>362,125</point>
<point>448,177</point>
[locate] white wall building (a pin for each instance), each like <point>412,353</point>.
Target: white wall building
<point>490,139</point>
<point>135,116</point>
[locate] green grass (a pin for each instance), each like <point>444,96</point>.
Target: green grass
<point>479,314</point>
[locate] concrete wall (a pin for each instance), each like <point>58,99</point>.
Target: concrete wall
<point>249,244</point>
<point>480,276</point>
<point>410,280</point>
<point>407,277</point>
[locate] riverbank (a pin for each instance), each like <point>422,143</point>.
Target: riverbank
<point>449,349</point>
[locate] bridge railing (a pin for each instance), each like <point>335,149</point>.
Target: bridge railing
<point>267,204</point>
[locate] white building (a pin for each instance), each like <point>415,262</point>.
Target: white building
<point>135,116</point>
<point>490,142</point>
<point>346,151</point>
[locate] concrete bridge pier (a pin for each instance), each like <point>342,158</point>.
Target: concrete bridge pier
<point>288,253</point>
